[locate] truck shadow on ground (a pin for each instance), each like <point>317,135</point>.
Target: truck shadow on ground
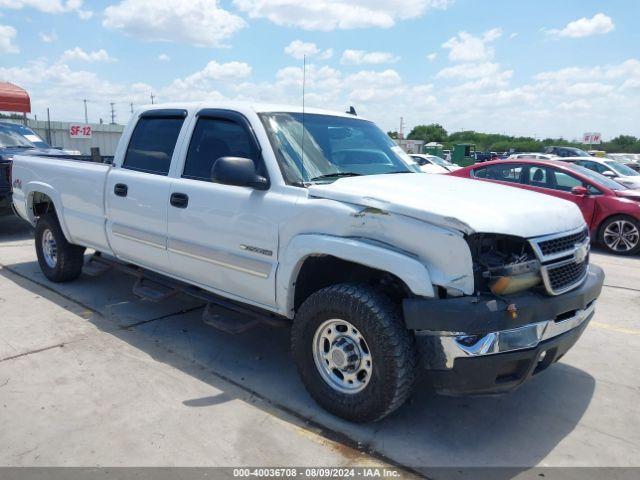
<point>516,430</point>
<point>13,229</point>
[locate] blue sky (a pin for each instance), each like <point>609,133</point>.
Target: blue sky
<point>543,68</point>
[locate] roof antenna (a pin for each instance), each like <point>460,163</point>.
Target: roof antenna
<point>304,84</point>
<point>351,111</point>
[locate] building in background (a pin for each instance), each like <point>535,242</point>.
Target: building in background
<point>69,135</point>
<point>410,146</point>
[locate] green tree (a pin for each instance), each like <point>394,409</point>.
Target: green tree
<point>393,135</point>
<point>429,133</point>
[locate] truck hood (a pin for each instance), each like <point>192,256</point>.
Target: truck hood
<point>463,204</point>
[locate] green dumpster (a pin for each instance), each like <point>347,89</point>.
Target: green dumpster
<point>464,154</point>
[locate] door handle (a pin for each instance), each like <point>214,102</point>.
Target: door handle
<point>179,200</point>
<point>120,189</point>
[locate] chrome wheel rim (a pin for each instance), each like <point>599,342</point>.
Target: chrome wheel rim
<point>621,236</point>
<point>49,249</point>
<point>342,356</point>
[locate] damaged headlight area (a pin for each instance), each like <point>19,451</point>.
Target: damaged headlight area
<point>503,264</point>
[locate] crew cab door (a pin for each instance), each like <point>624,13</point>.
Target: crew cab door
<point>224,237</point>
<point>137,192</point>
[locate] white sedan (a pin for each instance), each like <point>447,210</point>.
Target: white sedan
<point>609,168</point>
<point>433,164</point>
<point>533,156</point>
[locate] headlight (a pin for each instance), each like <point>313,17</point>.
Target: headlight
<point>503,264</point>
<point>514,278</point>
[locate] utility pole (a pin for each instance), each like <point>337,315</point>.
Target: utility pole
<point>401,132</point>
<point>113,113</point>
<point>131,105</point>
<point>48,127</point>
<point>152,98</point>
<point>86,118</point>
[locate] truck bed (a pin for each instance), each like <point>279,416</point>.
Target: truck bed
<point>76,187</point>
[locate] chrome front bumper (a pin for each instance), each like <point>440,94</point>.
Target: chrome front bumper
<point>459,345</point>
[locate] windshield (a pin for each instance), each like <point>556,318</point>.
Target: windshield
<point>333,147</point>
<point>597,178</point>
<point>621,169</point>
<point>19,136</point>
<point>440,161</point>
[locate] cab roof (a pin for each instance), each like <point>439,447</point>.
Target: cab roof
<point>255,107</point>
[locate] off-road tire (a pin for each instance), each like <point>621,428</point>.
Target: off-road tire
<point>70,258</point>
<point>392,347</point>
<point>611,220</point>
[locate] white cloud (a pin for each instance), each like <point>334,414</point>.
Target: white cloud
<point>163,57</point>
<point>59,87</point>
<point>201,85</point>
<point>338,14</point>
<point>360,57</point>
<point>48,37</point>
<point>432,56</point>
<point>79,55</point>
<point>599,24</point>
<point>197,22</point>
<point>469,48</point>
<point>298,49</point>
<point>513,35</point>
<point>469,70</point>
<point>7,35</point>
<point>49,6</point>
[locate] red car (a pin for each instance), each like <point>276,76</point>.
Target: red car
<point>611,210</point>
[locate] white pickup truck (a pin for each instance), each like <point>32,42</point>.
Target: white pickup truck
<point>318,218</point>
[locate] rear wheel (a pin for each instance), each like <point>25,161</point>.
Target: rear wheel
<point>354,354</point>
<point>620,235</point>
<point>59,260</point>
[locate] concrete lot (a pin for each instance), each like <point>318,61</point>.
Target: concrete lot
<point>91,375</point>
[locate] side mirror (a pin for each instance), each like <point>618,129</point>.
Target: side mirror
<point>238,171</point>
<point>609,173</point>
<point>579,191</point>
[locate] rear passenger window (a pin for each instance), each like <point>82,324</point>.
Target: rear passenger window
<point>214,138</point>
<point>501,172</point>
<point>152,143</point>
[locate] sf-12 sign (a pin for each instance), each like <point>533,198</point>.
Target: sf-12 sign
<point>592,138</point>
<point>80,131</point>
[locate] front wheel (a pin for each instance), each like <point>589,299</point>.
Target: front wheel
<point>59,260</point>
<point>620,235</point>
<point>354,354</point>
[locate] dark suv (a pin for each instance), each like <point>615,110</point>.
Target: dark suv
<point>16,139</point>
<point>566,152</point>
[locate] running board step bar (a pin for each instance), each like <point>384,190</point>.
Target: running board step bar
<point>153,291</point>
<point>221,313</point>
<point>96,266</point>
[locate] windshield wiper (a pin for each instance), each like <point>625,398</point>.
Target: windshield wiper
<point>21,146</point>
<point>335,175</point>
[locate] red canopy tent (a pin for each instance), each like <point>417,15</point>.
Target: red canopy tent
<point>14,98</point>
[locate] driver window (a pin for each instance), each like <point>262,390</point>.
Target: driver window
<point>566,182</point>
<point>214,138</point>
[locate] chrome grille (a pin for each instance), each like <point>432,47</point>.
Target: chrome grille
<point>562,244</point>
<point>564,276</point>
<point>564,259</point>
